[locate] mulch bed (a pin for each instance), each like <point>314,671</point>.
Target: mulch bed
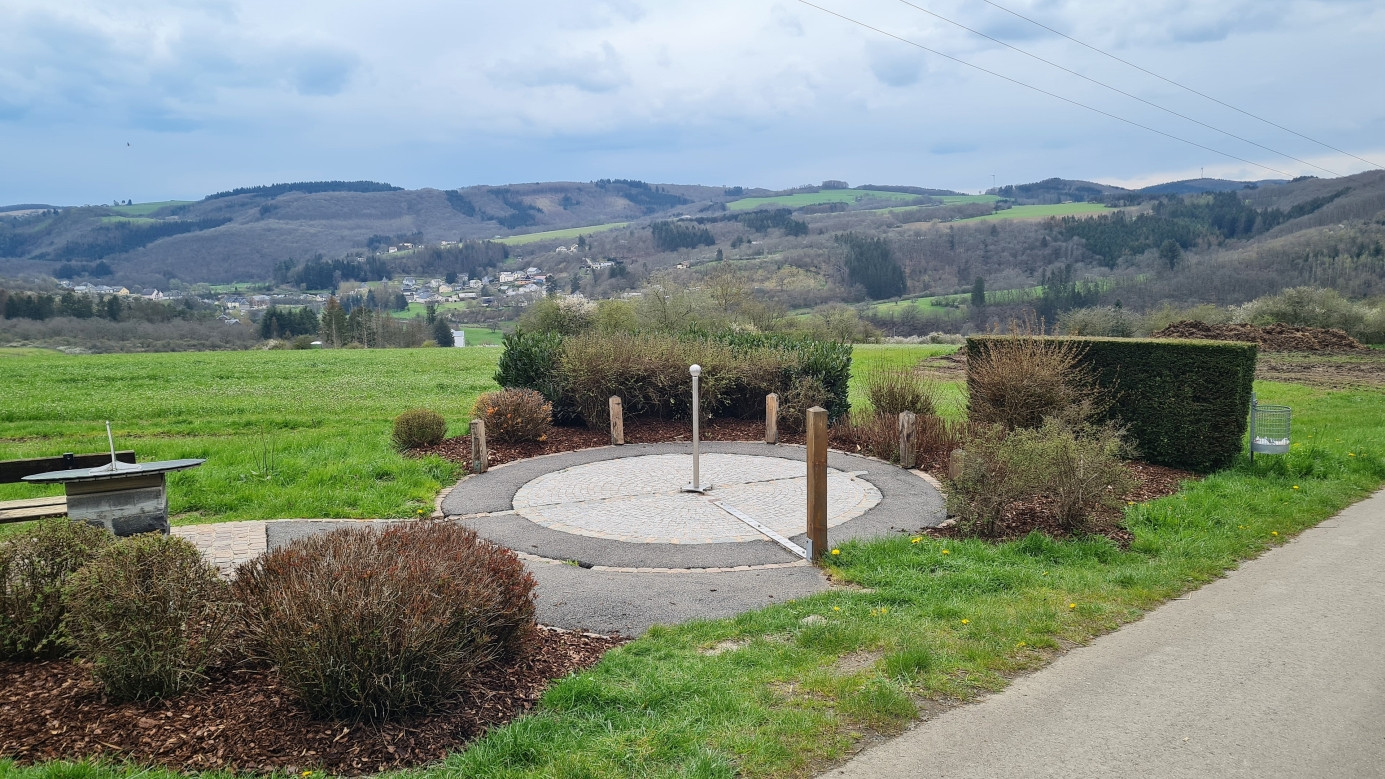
<point>1024,517</point>
<point>1272,338</point>
<point>243,720</point>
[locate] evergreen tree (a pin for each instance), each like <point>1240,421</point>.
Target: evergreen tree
<point>870,264</point>
<point>442,333</point>
<point>978,293</point>
<point>333,331</point>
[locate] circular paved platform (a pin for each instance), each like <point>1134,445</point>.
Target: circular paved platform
<point>622,507</point>
<point>638,499</point>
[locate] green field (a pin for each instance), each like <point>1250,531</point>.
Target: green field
<point>421,309</point>
<point>483,336</point>
<point>559,235</point>
<point>145,209</point>
<point>1039,212</point>
<point>817,198</point>
<point>285,433</point>
<point>131,220</point>
<point>953,200</point>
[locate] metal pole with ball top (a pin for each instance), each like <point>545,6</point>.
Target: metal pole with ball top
<point>696,485</point>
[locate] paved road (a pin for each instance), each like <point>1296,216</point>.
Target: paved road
<point>1277,670</point>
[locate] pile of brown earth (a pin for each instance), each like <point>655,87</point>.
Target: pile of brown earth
<point>1273,338</point>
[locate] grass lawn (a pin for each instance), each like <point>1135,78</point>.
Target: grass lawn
<point>817,198</point>
<point>872,357</point>
<point>285,433</point>
<point>559,235</point>
<point>484,336</point>
<point>928,620</point>
<point>130,220</point>
<point>421,309</point>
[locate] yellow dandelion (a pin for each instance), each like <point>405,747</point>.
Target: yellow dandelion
<point>836,551</point>
<point>1351,454</point>
<point>836,608</point>
<point>946,552</point>
<point>884,610</point>
<point>915,539</point>
<point>1295,486</point>
<point>1072,605</point>
<point>1020,644</point>
<point>966,622</point>
<point>1274,532</point>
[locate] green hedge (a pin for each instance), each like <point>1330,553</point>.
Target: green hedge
<point>1186,403</point>
<point>739,370</point>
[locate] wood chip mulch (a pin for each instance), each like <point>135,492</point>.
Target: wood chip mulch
<point>243,720</point>
<point>1024,517</point>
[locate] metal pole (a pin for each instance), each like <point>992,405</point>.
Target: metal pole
<point>696,485</point>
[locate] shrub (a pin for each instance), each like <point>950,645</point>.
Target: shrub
<point>804,394</point>
<point>149,614</point>
<point>376,624</point>
<point>419,427</point>
<point>986,482</point>
<point>1184,404</point>
<point>531,361</point>
<point>1017,381</point>
<point>1077,468</point>
<point>877,435</point>
<point>893,391</point>
<point>1104,321</point>
<point>34,567</point>
<point>514,415</point>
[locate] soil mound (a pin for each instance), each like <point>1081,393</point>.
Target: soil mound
<point>1273,338</point>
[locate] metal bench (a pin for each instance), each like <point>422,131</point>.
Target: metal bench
<point>12,471</point>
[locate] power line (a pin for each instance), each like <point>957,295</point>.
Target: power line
<point>1041,90</point>
<point>1114,89</point>
<point>1181,86</point>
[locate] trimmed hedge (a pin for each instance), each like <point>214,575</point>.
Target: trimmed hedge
<point>1186,403</point>
<point>649,371</point>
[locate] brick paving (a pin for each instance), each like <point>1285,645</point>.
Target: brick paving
<point>226,544</point>
<point>639,499</point>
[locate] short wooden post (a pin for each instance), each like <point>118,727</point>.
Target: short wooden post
<point>772,418</point>
<point>908,435</point>
<point>954,464</point>
<point>817,482</point>
<point>617,422</point>
<point>480,456</point>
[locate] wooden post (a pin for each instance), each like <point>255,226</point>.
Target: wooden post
<point>954,464</point>
<point>772,418</point>
<point>480,456</point>
<point>617,422</point>
<point>908,433</point>
<point>817,482</point>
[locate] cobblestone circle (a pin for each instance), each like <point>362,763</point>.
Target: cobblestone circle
<point>639,499</point>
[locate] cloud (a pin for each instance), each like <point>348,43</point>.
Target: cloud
<point>323,72</point>
<point>596,72</point>
<point>896,65</point>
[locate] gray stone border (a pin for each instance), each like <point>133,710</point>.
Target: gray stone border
<point>484,502</point>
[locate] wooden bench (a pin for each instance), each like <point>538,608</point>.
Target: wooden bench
<point>13,471</point>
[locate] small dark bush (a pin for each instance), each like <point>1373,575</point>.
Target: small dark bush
<point>893,391</point>
<point>34,567</point>
<point>419,427</point>
<point>149,614</point>
<point>986,484</point>
<point>366,624</point>
<point>531,361</point>
<point>514,415</point>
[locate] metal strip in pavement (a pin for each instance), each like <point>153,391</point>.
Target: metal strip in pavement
<point>778,539</point>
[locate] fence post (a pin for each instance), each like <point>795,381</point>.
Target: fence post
<point>908,434</point>
<point>817,482</point>
<point>617,422</point>
<point>480,456</point>
<point>772,418</point>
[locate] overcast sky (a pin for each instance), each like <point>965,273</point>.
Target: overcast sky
<point>162,99</point>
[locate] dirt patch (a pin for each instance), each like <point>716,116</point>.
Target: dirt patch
<point>1272,338</point>
<point>243,720</point>
<point>1335,371</point>
<point>856,662</point>
<point>1024,517</point>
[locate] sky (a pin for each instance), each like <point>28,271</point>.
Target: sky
<point>175,99</point>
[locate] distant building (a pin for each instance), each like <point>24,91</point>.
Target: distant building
<point>459,338</point>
